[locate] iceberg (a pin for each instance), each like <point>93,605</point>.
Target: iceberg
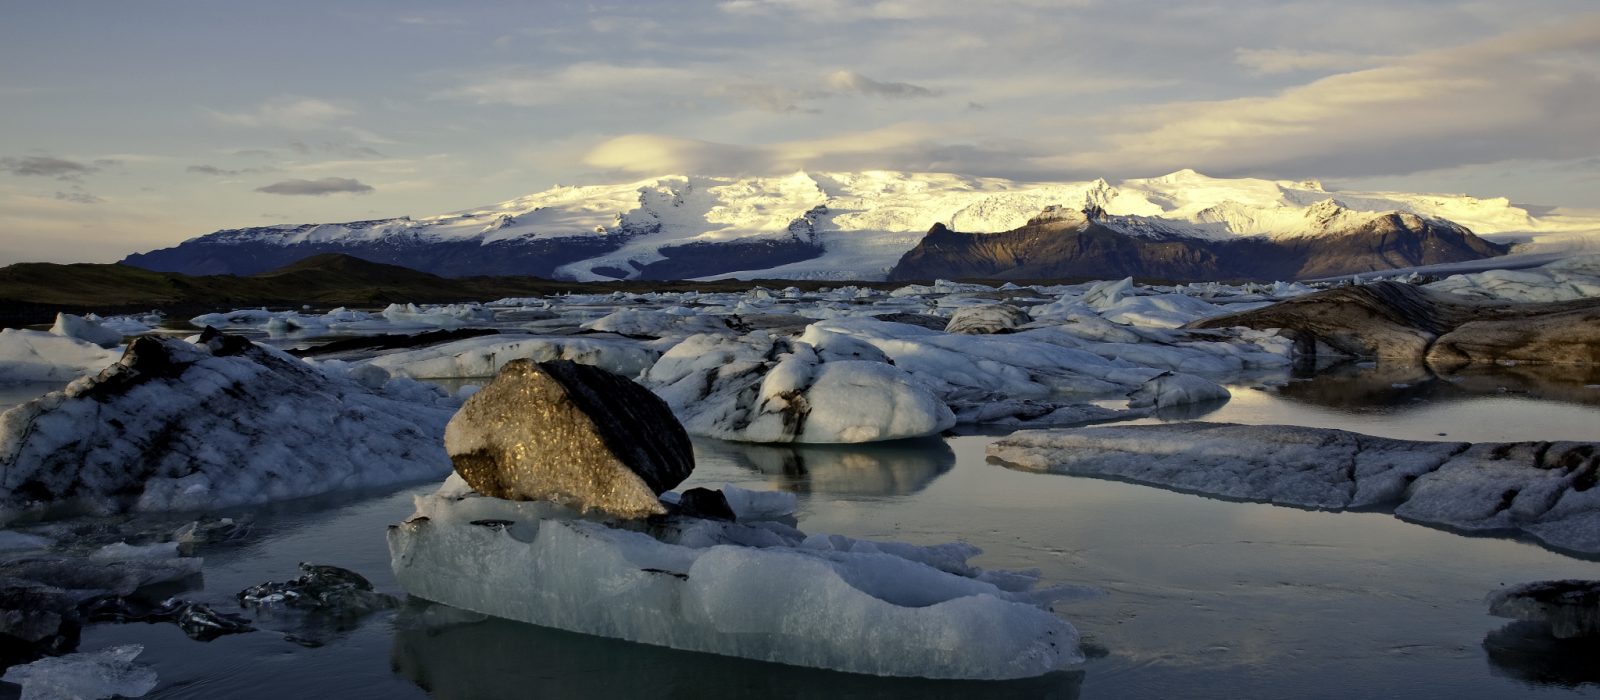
<point>36,356</point>
<point>86,676</point>
<point>89,330</point>
<point>755,589</point>
<point>177,426</point>
<point>1540,489</point>
<point>763,388</point>
<point>484,356</point>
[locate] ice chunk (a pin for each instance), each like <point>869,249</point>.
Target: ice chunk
<point>1173,389</point>
<point>174,426</point>
<point>85,676</point>
<point>1290,465</point>
<point>484,356</point>
<point>895,610</point>
<point>1542,489</point>
<point>1570,608</point>
<point>87,330</point>
<point>446,316</point>
<point>761,388</point>
<point>13,541</point>
<point>36,356</point>
<point>655,323</point>
<point>987,318</point>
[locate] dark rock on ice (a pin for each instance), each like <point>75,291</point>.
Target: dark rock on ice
<point>570,433</point>
<point>326,590</point>
<point>197,620</point>
<point>705,503</point>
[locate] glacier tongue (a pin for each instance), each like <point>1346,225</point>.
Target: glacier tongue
<point>752,589</point>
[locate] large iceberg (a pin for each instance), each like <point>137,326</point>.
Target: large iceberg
<point>484,356</point>
<point>755,588</point>
<point>1540,489</point>
<point>763,388</point>
<point>177,426</point>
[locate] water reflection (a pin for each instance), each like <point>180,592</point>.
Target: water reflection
<point>1375,386</point>
<point>897,468</point>
<point>503,659</point>
<point>1527,652</point>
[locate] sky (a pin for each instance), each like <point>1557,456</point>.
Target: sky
<point>130,126</point>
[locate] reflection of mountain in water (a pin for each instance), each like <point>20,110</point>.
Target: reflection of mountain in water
<point>503,659</point>
<point>893,468</point>
<point>1527,652</point>
<point>1353,386</point>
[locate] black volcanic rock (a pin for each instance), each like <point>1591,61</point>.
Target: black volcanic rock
<point>1063,244</point>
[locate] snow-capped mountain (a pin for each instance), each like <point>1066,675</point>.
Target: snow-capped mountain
<point>854,225</point>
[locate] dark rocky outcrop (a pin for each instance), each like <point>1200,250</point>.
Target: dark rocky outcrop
<point>573,434</point>
<point>1448,332</point>
<point>1092,245</point>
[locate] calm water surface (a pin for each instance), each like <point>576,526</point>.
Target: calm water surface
<point>1203,598</point>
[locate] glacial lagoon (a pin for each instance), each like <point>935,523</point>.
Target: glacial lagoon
<point>1202,598</point>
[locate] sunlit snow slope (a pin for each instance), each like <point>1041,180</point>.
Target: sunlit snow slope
<point>831,225</point>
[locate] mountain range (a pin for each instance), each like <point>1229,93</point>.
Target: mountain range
<point>877,225</point>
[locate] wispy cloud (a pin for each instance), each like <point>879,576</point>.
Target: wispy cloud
<point>317,188</point>
<point>50,166</point>
<point>78,197</point>
<point>849,81</point>
<point>224,172</point>
<point>286,112</point>
<point>1275,61</point>
<point>1526,94</point>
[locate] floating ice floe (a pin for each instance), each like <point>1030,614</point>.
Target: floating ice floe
<point>85,676</point>
<point>1570,608</point>
<point>763,388</point>
<point>87,329</point>
<point>484,356</point>
<point>657,323</point>
<point>754,588</point>
<point>443,316</point>
<point>1541,489</point>
<point>176,426</point>
<point>1577,277</point>
<point>36,356</point>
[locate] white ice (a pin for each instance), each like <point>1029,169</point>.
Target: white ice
<point>85,676</point>
<point>218,430</point>
<point>485,355</point>
<point>35,356</point>
<point>762,388</point>
<point>753,589</point>
<point>89,330</point>
<point>1533,488</point>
